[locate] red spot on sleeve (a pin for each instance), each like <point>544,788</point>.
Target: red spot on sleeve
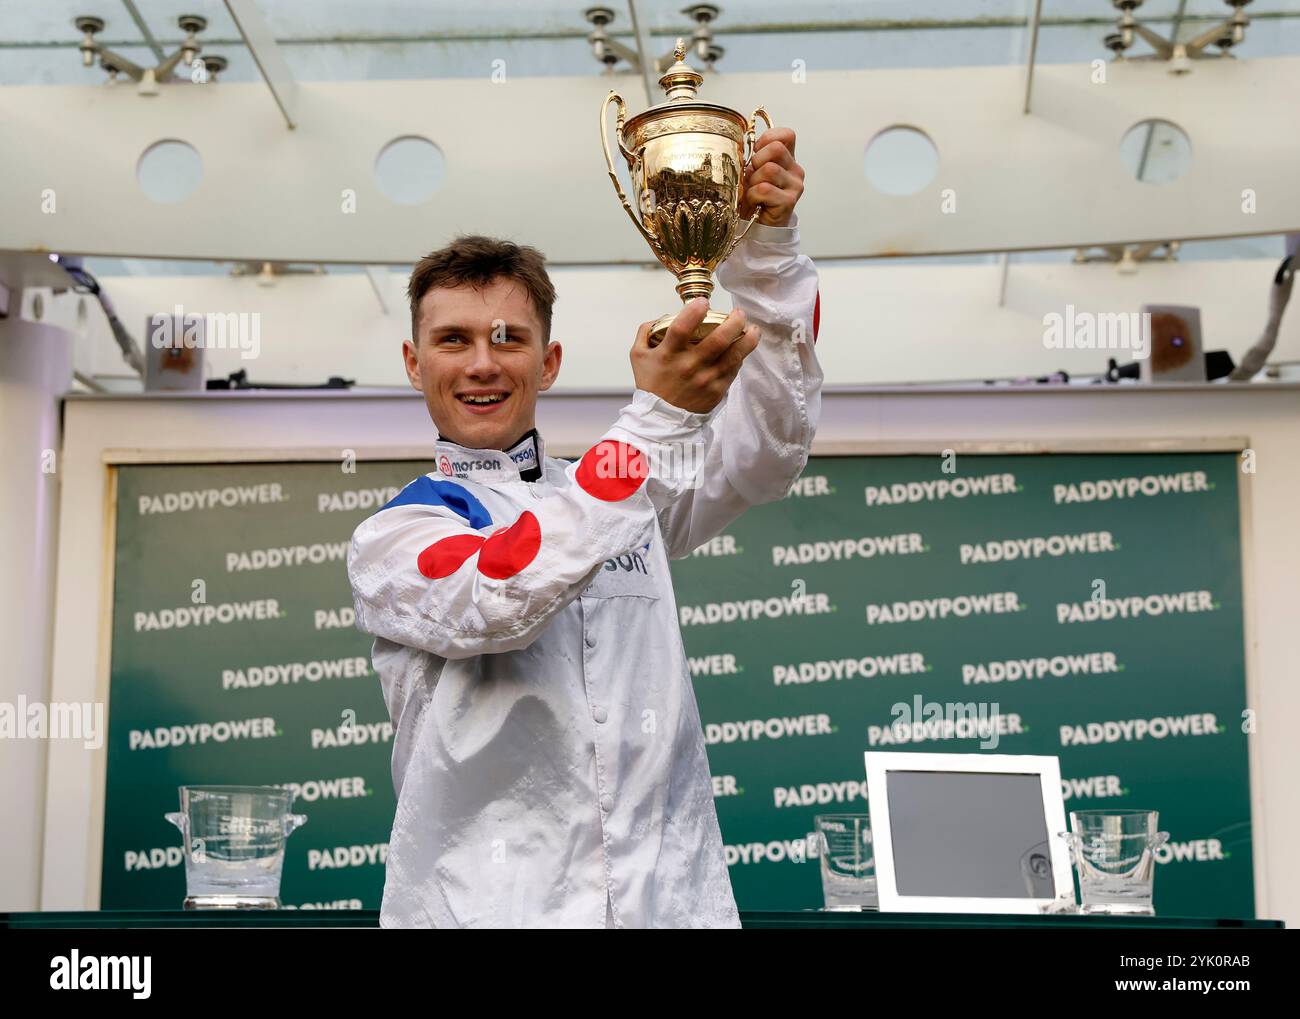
<point>611,470</point>
<point>510,549</point>
<point>817,315</point>
<point>447,555</point>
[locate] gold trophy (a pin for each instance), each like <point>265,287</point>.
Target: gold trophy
<point>686,159</point>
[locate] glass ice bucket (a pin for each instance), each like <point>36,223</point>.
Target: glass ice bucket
<point>848,861</point>
<point>1114,854</point>
<point>233,839</point>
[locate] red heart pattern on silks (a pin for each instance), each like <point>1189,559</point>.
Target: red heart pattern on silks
<point>500,556</point>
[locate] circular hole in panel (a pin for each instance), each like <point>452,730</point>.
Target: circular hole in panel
<point>169,171</point>
<point>1155,151</point>
<point>901,161</point>
<point>410,169</point>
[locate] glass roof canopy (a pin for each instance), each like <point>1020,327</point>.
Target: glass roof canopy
<point>347,40</point>
<point>344,40</point>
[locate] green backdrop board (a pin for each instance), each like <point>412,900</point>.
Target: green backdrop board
<point>1087,606</point>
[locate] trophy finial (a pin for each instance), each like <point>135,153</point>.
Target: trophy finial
<point>681,81</point>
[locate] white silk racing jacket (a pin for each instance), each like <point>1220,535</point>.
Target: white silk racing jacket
<point>548,756</point>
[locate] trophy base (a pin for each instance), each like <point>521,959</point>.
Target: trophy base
<point>711,322</point>
<point>231,901</point>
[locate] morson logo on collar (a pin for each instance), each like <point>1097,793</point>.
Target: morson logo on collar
<point>522,461</point>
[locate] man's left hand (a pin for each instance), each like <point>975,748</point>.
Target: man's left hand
<point>773,180</point>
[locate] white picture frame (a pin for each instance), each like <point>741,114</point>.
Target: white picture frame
<point>879,765</point>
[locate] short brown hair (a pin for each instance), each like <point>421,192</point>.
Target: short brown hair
<point>477,261</point>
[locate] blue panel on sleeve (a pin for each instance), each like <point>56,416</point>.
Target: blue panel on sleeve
<point>425,491</point>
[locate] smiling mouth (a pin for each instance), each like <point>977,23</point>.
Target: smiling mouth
<point>482,399</point>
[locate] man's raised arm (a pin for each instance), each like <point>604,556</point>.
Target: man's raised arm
<point>758,440</point>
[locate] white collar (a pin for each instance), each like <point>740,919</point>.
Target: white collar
<point>522,461</point>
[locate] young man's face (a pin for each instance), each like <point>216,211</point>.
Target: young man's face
<point>480,361</point>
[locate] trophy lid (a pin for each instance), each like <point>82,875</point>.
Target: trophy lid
<point>681,81</point>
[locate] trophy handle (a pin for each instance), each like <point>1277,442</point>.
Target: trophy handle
<point>749,144</point>
<point>630,156</point>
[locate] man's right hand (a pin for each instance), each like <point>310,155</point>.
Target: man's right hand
<point>693,376</point>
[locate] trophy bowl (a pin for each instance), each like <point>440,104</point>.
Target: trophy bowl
<point>687,163</point>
